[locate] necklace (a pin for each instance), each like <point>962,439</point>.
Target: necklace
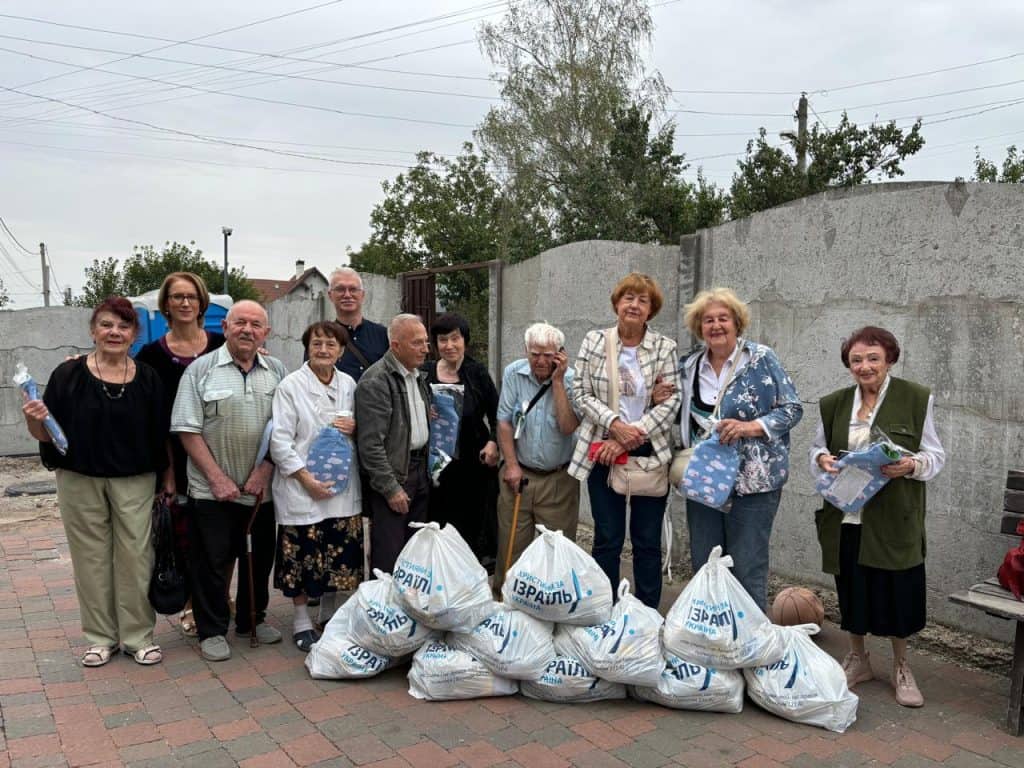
<point>124,380</point>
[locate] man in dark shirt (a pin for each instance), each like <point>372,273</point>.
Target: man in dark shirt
<point>369,340</point>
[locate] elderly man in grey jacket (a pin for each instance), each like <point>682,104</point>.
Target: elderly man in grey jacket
<point>392,411</point>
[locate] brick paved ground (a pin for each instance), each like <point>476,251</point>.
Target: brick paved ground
<point>261,709</point>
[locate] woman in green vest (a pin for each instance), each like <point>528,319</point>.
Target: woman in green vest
<point>877,554</point>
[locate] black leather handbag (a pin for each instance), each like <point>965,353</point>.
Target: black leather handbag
<point>168,586</point>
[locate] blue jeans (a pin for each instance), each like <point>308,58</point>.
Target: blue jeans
<point>744,532</point>
<point>646,513</point>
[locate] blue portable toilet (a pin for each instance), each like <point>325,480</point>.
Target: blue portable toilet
<point>153,325</point>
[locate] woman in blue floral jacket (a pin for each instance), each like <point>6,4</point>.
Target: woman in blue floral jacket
<point>759,409</point>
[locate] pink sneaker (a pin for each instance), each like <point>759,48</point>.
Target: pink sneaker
<point>857,668</point>
<point>907,692</point>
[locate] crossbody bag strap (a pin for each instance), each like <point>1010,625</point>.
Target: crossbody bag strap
<point>611,337</point>
<point>540,393</point>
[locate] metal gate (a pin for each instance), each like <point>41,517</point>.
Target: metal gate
<point>419,296</point>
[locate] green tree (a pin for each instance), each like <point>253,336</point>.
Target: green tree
<point>1012,170</point>
<point>5,297</point>
<point>568,67</point>
<point>444,212</point>
<point>146,268</point>
<point>842,157</point>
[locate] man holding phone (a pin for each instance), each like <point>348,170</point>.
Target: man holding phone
<point>536,422</point>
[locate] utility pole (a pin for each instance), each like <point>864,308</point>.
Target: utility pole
<point>46,275</point>
<point>227,234</point>
<point>801,135</point>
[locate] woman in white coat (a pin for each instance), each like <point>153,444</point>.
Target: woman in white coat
<point>320,541</point>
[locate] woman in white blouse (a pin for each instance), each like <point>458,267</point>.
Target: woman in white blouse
<point>320,540</point>
<point>877,554</point>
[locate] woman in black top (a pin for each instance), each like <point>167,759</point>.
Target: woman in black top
<point>183,301</point>
<point>112,411</point>
<point>467,494</point>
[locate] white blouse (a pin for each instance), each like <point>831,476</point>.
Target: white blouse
<point>929,460</point>
<point>303,405</point>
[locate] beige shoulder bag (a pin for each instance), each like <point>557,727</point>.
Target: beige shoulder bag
<point>632,478</point>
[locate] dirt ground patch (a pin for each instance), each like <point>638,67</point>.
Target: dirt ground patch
<point>22,509</point>
<point>965,648</point>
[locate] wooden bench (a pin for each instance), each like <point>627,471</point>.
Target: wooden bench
<point>991,598</point>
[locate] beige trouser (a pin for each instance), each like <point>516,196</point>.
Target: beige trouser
<point>553,500</point>
<point>109,525</point>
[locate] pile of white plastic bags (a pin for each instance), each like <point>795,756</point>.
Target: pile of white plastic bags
<point>558,636</point>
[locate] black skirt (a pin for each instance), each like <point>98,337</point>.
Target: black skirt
<point>322,557</point>
<point>874,601</point>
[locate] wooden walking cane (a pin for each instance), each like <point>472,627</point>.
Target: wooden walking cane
<point>253,640</point>
<point>515,523</point>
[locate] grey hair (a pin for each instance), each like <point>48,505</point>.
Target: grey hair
<point>247,302</point>
<point>399,320</point>
<point>347,272</point>
<point>544,335</point>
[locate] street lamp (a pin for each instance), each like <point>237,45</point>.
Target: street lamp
<point>227,234</point>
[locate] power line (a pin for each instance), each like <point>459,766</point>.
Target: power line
<point>3,225</point>
<point>240,145</point>
<point>201,37</point>
<point>922,98</point>
<point>282,75</point>
<point>916,74</point>
<point>246,97</point>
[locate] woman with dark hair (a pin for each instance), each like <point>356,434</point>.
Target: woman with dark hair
<point>467,494</point>
<point>112,411</point>
<point>320,534</point>
<point>183,300</point>
<point>877,553</point>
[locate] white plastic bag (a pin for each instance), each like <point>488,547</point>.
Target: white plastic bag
<point>438,580</point>
<point>567,680</point>
<point>690,686</point>
<point>715,623</point>
<point>626,648</point>
<point>381,625</point>
<point>337,657</point>
<point>441,672</point>
<point>806,685</point>
<point>557,581</point>
<point>510,643</point>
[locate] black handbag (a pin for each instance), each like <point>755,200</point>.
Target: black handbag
<point>168,587</point>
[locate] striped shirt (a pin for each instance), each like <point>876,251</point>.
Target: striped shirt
<point>657,356</point>
<point>230,409</point>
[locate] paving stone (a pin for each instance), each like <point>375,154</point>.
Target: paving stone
<point>639,755</point>
<point>250,745</point>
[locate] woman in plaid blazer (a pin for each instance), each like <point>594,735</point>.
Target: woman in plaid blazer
<point>638,428</point>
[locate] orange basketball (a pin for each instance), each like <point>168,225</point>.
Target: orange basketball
<point>797,605</point>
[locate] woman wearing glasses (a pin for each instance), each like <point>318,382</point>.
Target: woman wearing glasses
<point>183,301</point>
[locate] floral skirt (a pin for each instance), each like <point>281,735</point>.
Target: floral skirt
<point>322,557</point>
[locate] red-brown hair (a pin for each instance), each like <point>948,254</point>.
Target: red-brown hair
<point>118,306</point>
<point>872,336</point>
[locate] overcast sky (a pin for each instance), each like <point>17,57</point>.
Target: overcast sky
<point>90,185</point>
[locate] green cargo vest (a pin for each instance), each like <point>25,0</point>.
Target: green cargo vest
<point>892,522</point>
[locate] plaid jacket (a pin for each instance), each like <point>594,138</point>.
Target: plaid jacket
<point>656,355</point>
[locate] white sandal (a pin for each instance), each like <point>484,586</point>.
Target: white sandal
<point>97,656</point>
<point>147,656</point>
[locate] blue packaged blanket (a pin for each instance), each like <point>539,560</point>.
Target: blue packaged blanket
<point>330,458</point>
<point>444,427</point>
<point>860,477</point>
<point>28,385</point>
<point>711,474</point>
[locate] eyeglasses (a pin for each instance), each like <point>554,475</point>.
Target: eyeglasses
<point>181,298</point>
<point>346,289</point>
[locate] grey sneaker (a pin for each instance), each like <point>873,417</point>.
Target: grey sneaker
<point>266,634</point>
<point>215,648</point>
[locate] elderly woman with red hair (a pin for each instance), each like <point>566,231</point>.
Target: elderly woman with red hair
<point>112,410</point>
<point>877,553</point>
<point>626,421</point>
